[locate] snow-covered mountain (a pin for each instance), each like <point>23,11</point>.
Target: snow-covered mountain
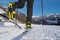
<point>46,19</point>
<point>35,19</point>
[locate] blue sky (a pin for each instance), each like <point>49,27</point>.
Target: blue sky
<point>50,6</point>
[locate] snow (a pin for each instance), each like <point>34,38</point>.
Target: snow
<point>35,16</point>
<point>9,31</point>
<point>45,32</point>
<point>8,24</point>
<point>1,11</point>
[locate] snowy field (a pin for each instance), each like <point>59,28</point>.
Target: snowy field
<point>9,31</point>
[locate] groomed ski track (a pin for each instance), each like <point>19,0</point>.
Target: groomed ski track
<point>38,32</point>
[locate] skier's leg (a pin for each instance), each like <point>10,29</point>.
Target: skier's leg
<point>29,13</point>
<point>20,3</point>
